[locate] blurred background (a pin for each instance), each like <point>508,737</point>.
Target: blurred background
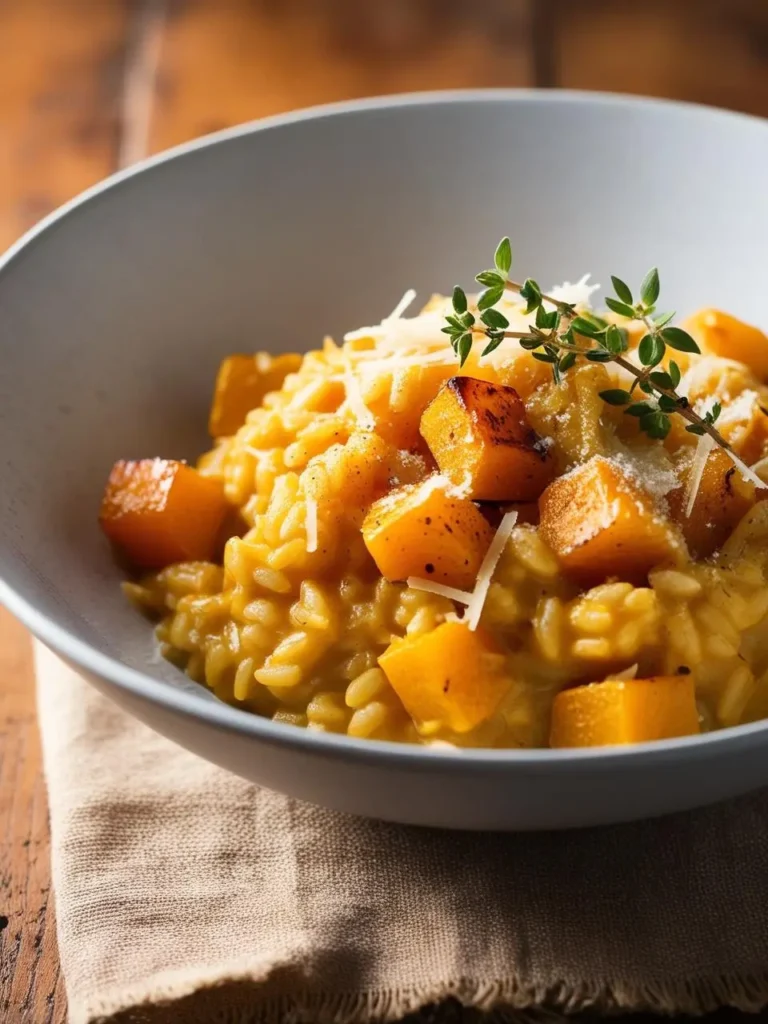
<point>90,85</point>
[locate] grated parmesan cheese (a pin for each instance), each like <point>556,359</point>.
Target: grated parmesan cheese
<point>578,294</point>
<point>649,467</point>
<point>487,569</point>
<point>475,601</point>
<point>424,331</point>
<point>703,448</point>
<point>415,331</point>
<point>702,370</point>
<point>311,525</point>
<point>743,468</point>
<point>359,409</point>
<point>417,583</point>
<point>398,362</point>
<point>402,305</point>
<point>399,390</point>
<point>453,617</point>
<point>628,673</point>
<point>435,482</point>
<point>740,409</point>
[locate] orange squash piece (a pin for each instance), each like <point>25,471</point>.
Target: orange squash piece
<point>721,334</point>
<point>624,711</point>
<point>749,438</point>
<point>241,384</point>
<point>158,512</point>
<point>398,408</point>
<point>422,530</point>
<point>722,500</point>
<point>449,675</point>
<point>600,524</point>
<point>479,434</point>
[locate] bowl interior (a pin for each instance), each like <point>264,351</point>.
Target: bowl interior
<point>114,317</point>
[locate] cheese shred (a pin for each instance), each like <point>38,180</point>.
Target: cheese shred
<point>703,448</point>
<point>402,305</point>
<point>487,569</point>
<point>460,596</point>
<point>746,472</point>
<point>475,601</point>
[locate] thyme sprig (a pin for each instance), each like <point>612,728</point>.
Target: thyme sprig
<point>563,337</point>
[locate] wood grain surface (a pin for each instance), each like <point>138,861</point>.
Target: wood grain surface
<point>87,86</point>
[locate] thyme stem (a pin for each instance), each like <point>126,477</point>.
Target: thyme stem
<point>562,307</point>
<point>567,311</point>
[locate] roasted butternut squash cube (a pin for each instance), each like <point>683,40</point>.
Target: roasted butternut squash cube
<point>449,675</point>
<point>749,436</point>
<point>481,438</point>
<point>601,524</point>
<point>722,500</point>
<point>241,384</point>
<point>157,512</point>
<point>723,335</point>
<point>423,530</point>
<point>397,401</point>
<point>621,711</point>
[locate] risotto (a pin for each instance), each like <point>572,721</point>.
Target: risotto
<point>382,544</point>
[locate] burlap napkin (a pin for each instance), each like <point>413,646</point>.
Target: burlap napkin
<point>186,894</point>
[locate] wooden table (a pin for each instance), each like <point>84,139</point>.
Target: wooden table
<point>87,86</point>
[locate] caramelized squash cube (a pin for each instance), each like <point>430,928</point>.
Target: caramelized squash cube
<point>157,512</point>
<point>600,524</point>
<point>480,436</point>
<point>423,530</point>
<point>749,437</point>
<point>722,500</point>
<point>721,334</point>
<point>621,711</point>
<point>397,408</point>
<point>241,384</point>
<point>449,675</point>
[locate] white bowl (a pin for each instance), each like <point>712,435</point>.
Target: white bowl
<point>115,312</point>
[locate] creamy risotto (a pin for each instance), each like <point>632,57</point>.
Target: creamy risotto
<point>386,544</point>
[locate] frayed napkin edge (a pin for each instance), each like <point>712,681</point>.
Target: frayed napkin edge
<point>245,996</point>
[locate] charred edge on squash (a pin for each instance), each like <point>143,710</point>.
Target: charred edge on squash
<point>511,404</point>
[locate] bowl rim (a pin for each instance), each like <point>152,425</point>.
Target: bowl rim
<point>231,719</point>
